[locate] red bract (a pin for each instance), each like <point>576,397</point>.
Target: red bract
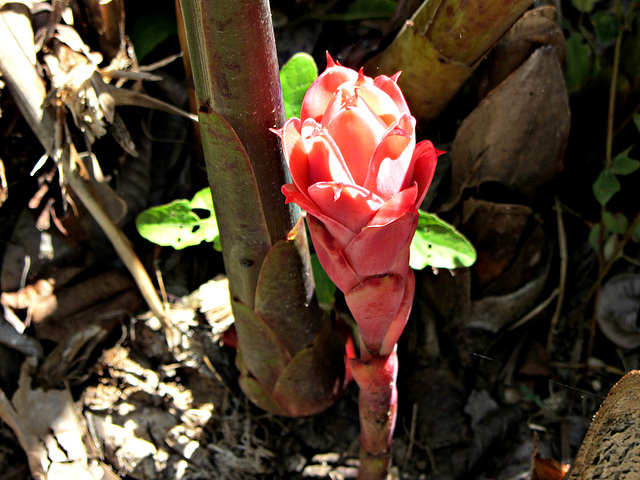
<point>357,171</point>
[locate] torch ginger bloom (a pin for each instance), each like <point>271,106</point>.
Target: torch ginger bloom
<point>360,176</point>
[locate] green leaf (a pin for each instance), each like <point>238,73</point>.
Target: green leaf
<point>622,164</point>
<point>594,237</point>
<point>605,186</point>
<point>325,288</point>
<point>372,8</point>
<point>605,25</point>
<point>636,121</point>
<point>296,76</point>
<point>439,245</point>
<point>177,225</point>
<point>584,6</point>
<point>151,30</point>
<point>615,223</point>
<point>578,62</point>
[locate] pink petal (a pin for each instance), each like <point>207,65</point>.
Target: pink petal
<point>356,131</point>
<point>395,207</point>
<point>374,304</point>
<point>390,87</point>
<point>425,158</point>
<point>349,205</point>
<point>322,89</point>
<point>391,168</point>
<point>400,320</point>
<point>331,256</point>
<point>295,153</point>
<point>375,250</point>
<point>342,234</point>
<point>325,161</point>
<point>294,195</point>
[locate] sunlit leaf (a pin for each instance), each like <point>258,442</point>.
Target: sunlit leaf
<point>180,224</point>
<point>439,245</point>
<point>296,76</point>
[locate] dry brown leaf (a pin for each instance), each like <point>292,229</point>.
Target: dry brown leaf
<point>516,136</point>
<point>49,431</point>
<point>534,29</point>
<point>619,310</point>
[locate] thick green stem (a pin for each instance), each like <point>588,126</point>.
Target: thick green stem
<point>236,76</point>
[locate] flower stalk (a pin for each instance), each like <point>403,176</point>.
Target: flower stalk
<point>360,176</point>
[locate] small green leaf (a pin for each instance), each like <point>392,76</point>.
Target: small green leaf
<point>622,164</point>
<point>325,288</point>
<point>605,186</point>
<point>584,6</point>
<point>578,62</point>
<point>177,225</point>
<point>372,9</point>
<point>636,121</point>
<point>594,237</point>
<point>296,76</point>
<point>615,223</point>
<point>151,30</point>
<point>439,245</point>
<point>605,25</point>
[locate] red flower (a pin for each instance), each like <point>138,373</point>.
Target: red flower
<point>357,171</point>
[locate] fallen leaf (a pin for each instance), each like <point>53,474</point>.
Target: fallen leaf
<point>516,136</point>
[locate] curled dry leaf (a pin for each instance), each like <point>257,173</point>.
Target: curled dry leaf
<point>510,242</point>
<point>619,310</point>
<point>534,29</point>
<point>57,313</point>
<point>50,432</point>
<point>516,136</point>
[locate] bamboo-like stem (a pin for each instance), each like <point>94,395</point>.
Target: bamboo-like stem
<point>440,46</point>
<point>236,77</point>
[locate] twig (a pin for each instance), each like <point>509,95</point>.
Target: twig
<point>412,435</point>
<point>540,307</point>
<point>564,259</point>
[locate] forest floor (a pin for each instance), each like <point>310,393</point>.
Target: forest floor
<point>502,365</point>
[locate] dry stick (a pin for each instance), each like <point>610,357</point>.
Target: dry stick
<point>564,261</point>
<point>118,239</point>
<point>29,93</point>
<point>539,308</point>
<point>412,435</point>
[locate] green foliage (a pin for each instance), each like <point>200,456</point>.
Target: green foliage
<point>584,6</point>
<point>325,288</point>
<point>439,245</point>
<point>372,8</point>
<point>578,68</point>
<point>296,76</point>
<point>151,30</point>
<point>178,224</point>
<point>622,164</point>
<point>605,186</point>
<point>605,25</point>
